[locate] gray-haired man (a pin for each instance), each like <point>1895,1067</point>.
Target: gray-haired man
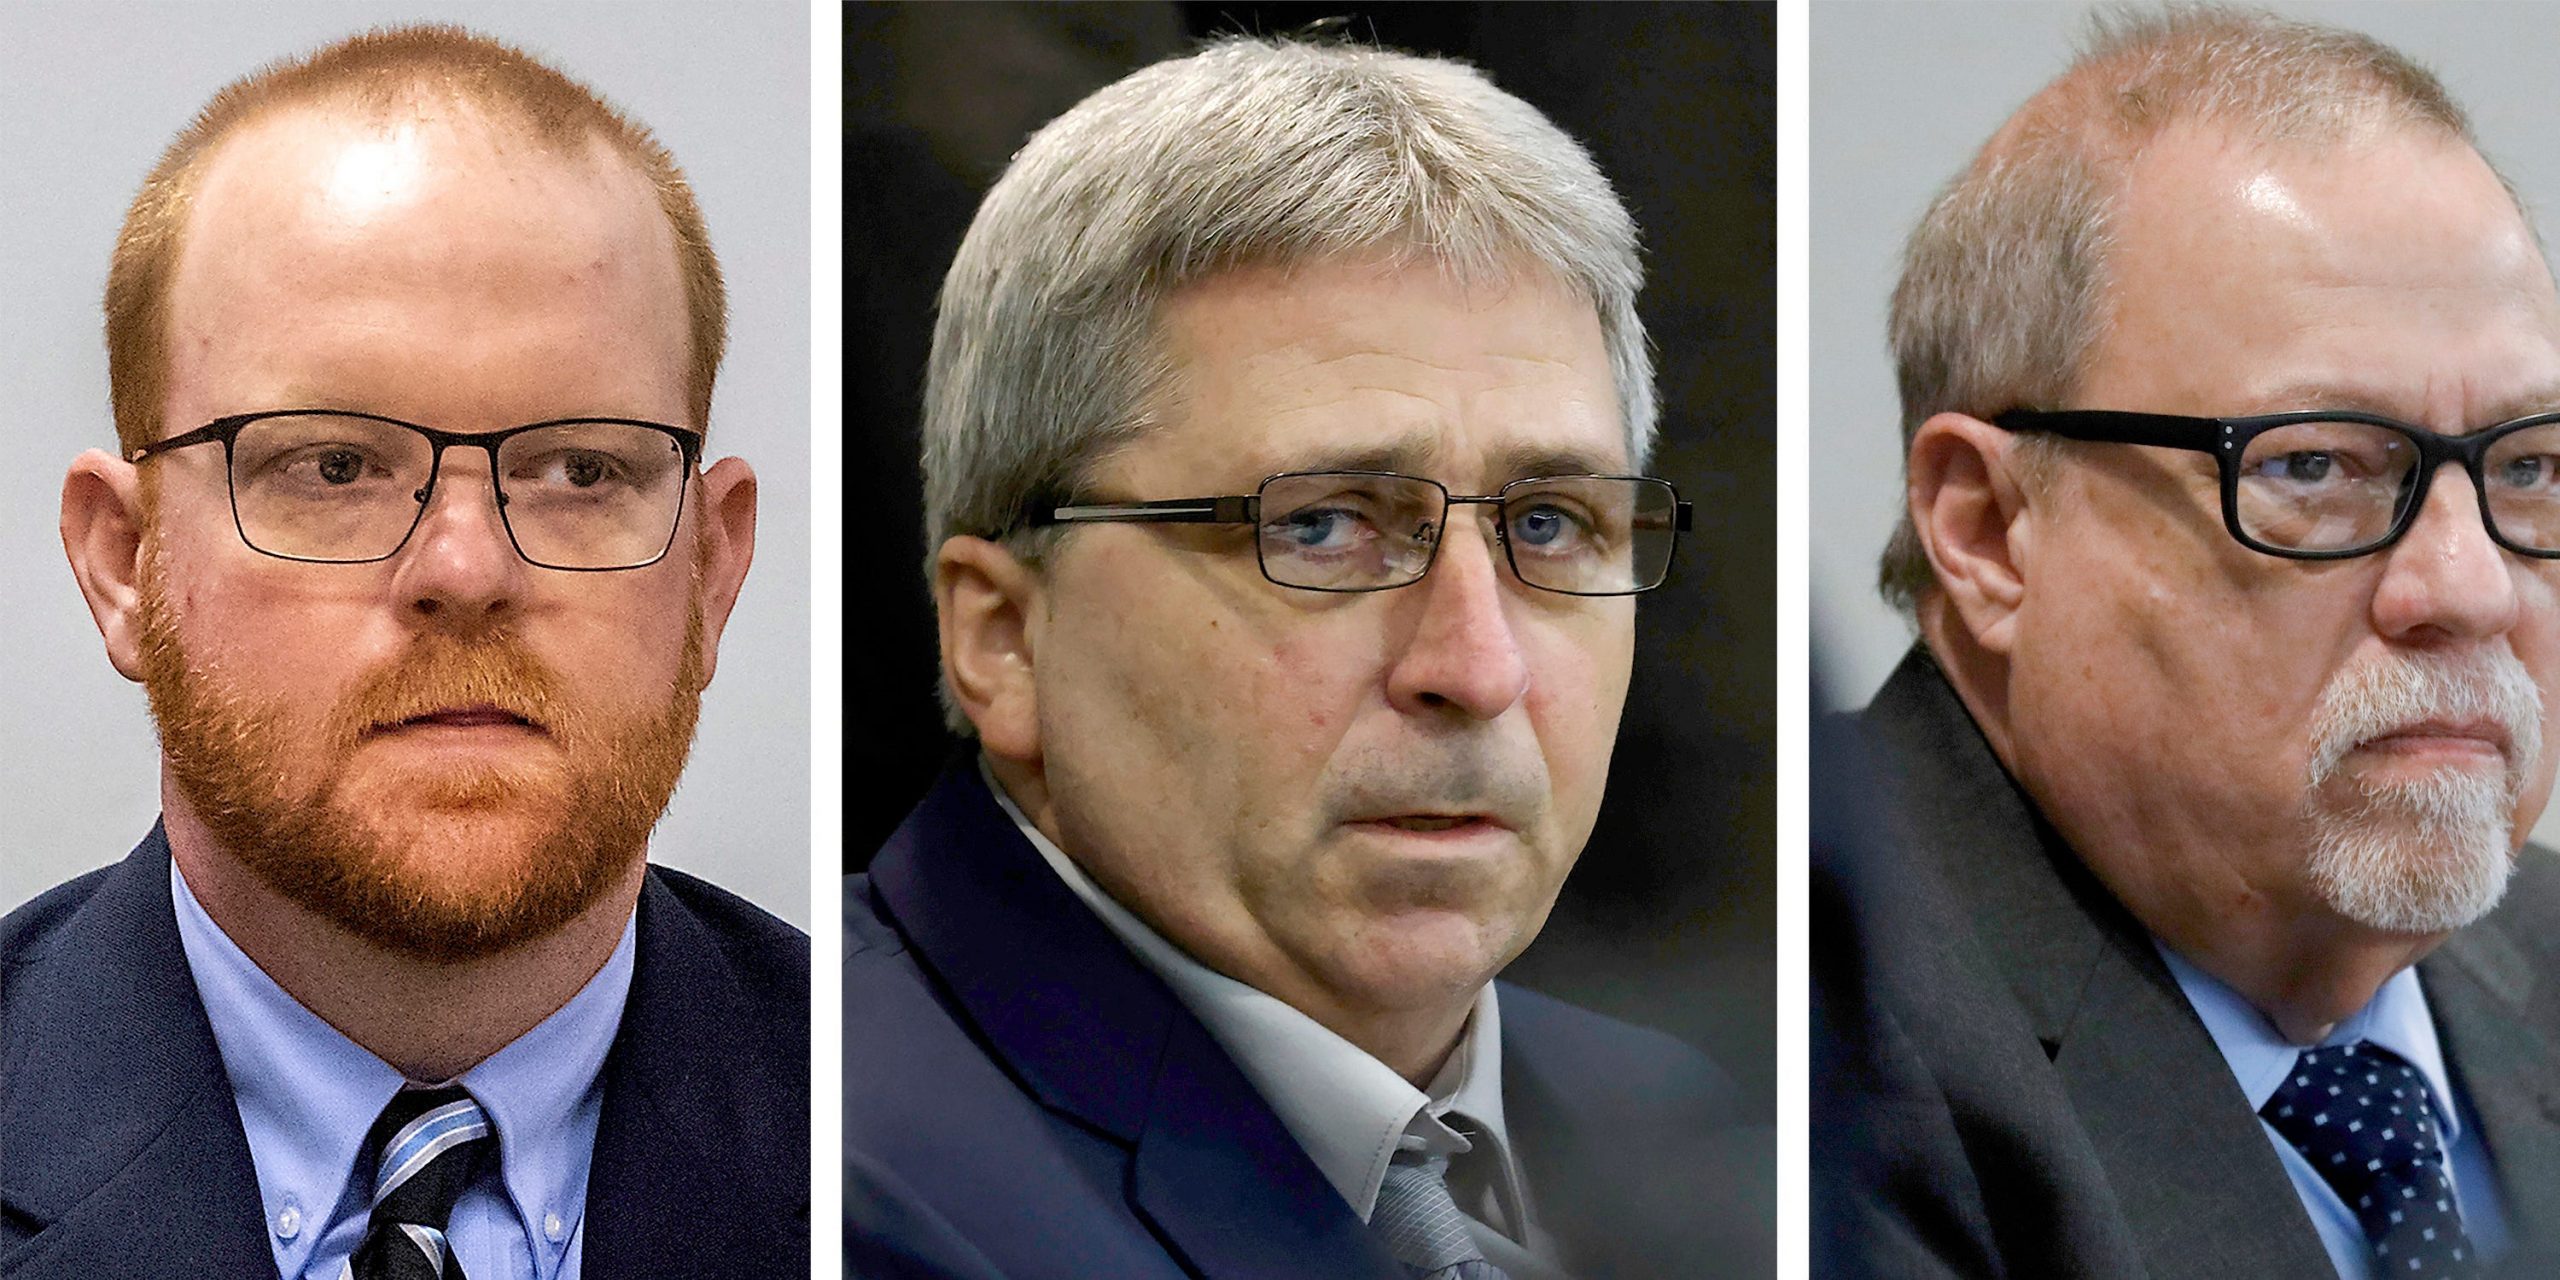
<point>1284,447</point>
<point>2229,373</point>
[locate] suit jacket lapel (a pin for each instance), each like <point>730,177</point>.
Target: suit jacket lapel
<point>695,1173</point>
<point>2482,986</point>
<point>123,1143</point>
<point>1092,1033</point>
<point>2197,1182</point>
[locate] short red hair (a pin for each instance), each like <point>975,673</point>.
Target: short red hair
<point>370,75</point>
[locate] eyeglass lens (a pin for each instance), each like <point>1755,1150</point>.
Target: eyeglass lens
<point>580,495</point>
<point>2342,486</point>
<point>1348,531</point>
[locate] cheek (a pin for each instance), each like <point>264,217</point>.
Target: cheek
<point>1578,677</point>
<point>1309,685</point>
<point>617,648</point>
<point>266,633</point>
<point>2536,640</point>
<point>2194,678</point>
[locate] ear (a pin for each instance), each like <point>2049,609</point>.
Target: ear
<point>102,523</point>
<point>988,604</point>
<point>728,547</point>
<point>1972,517</point>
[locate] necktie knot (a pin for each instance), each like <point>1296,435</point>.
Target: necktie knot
<point>2366,1122</point>
<point>427,1146</point>
<point>1423,1226</point>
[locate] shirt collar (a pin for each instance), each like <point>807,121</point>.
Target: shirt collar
<point>307,1094</point>
<point>2396,1019</point>
<point>1349,1111</point>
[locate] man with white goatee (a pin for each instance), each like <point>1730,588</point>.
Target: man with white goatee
<point>2202,940</point>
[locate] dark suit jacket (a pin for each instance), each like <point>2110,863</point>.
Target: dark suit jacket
<point>121,1151</point>
<point>1025,1098</point>
<point>2031,1092</point>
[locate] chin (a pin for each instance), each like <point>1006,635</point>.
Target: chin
<point>441,884</point>
<point>1419,959</point>
<point>2418,859</point>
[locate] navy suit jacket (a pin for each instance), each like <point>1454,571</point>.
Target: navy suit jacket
<point>121,1151</point>
<point>1024,1098</point>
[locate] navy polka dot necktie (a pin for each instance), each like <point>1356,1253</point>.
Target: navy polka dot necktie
<point>2365,1119</point>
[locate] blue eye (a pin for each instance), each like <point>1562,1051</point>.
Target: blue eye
<point>1539,526</point>
<point>2302,467</point>
<point>1318,528</point>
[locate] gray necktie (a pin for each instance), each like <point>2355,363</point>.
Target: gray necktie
<point>1422,1226</point>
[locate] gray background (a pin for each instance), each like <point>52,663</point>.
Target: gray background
<point>89,95</point>
<point>1902,94</point>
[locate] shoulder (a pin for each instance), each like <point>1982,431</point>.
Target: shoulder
<point>2533,897</point>
<point>1570,1040</point>
<point>752,942</point>
<point>867,932</point>
<point>1632,1145</point>
<point>2508,952</point>
<point>30,935</point>
<point>1591,1057</point>
<point>724,968</point>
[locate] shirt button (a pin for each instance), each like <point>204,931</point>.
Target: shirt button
<point>289,1222</point>
<point>553,1228</point>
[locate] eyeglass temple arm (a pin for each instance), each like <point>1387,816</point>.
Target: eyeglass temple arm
<point>210,431</point>
<point>2110,426</point>
<point>1234,509</point>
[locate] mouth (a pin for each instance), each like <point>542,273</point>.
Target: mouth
<point>1443,825</point>
<point>470,716</point>
<point>2448,738</point>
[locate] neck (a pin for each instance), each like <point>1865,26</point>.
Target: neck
<point>2301,965</point>
<point>1414,1041</point>
<point>2306,974</point>
<point>432,1021</point>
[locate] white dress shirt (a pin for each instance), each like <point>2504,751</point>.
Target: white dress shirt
<point>1349,1111</point>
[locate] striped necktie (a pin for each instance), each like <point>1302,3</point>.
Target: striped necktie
<point>432,1143</point>
<point>1423,1226</point>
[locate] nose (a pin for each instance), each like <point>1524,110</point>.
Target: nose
<point>1463,653</point>
<point>459,570</point>
<point>2445,580</point>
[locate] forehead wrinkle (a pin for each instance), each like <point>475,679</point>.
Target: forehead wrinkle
<point>1411,452</point>
<point>2401,403</point>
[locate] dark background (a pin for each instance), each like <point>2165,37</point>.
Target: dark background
<point>1670,918</point>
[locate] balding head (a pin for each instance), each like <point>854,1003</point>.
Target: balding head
<point>2005,285</point>
<point>380,105</point>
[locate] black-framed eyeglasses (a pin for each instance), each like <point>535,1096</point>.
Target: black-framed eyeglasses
<point>2328,484</point>
<point>1580,535</point>
<point>329,486</point>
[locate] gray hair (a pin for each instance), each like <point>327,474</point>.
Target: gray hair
<point>2004,289</point>
<point>1046,354</point>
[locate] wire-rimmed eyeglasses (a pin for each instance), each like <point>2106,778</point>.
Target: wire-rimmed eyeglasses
<point>1578,535</point>
<point>330,486</point>
<point>2328,484</point>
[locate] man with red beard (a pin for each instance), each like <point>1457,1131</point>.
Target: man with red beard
<point>2201,940</point>
<point>410,539</point>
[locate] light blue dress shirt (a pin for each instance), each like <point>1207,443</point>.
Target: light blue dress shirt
<point>2395,1019</point>
<point>307,1094</point>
